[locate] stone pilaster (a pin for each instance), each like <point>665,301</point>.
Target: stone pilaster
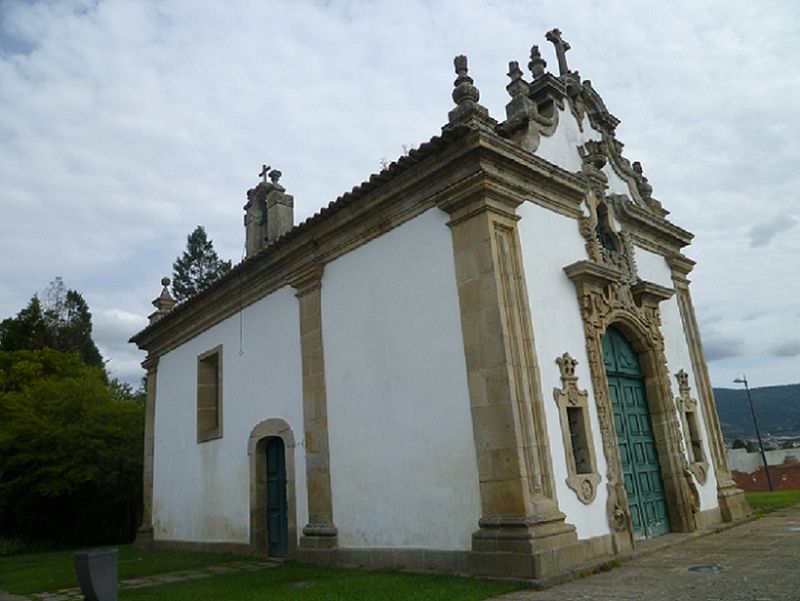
<point>144,536</point>
<point>521,533</point>
<point>320,532</point>
<point>732,502</point>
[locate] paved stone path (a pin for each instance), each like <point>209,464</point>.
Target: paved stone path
<point>759,561</point>
<point>74,594</point>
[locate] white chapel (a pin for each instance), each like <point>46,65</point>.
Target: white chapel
<point>484,359</point>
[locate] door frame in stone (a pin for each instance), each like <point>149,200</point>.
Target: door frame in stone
<point>257,455</point>
<point>605,299</point>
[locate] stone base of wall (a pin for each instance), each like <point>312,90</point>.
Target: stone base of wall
<point>537,569</point>
<point>216,547</point>
<point>732,504</point>
<point>144,538</point>
<point>708,518</point>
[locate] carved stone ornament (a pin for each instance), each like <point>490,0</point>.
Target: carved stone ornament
<point>696,458</point>
<point>573,408</point>
<point>466,96</point>
<point>606,296</point>
<point>605,243</point>
<point>164,303</point>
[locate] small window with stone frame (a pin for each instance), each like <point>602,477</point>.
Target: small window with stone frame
<point>209,395</point>
<point>573,408</point>
<point>696,443</point>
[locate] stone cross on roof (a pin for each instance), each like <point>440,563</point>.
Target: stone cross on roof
<point>264,170</point>
<point>554,36</point>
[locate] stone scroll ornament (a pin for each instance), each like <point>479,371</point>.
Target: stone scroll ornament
<point>573,409</point>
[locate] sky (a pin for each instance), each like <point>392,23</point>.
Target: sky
<point>126,123</point>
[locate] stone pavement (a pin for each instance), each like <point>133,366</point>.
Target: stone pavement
<point>755,561</point>
<point>74,594</point>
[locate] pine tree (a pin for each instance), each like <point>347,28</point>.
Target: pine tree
<point>198,266</point>
<point>28,330</point>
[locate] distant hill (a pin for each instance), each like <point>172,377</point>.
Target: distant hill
<point>777,410</point>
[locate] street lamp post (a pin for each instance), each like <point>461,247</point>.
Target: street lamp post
<point>743,380</point>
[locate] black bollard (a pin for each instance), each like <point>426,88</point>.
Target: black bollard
<point>97,574</point>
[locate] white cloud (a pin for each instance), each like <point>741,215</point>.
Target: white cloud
<point>762,233</point>
<point>125,124</point>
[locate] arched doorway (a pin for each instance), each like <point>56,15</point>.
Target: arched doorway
<point>273,509</point>
<point>277,507</point>
<point>644,486</point>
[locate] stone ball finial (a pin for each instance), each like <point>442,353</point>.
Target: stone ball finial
<point>464,90</point>
<point>163,302</point>
<point>537,64</point>
<point>275,175</point>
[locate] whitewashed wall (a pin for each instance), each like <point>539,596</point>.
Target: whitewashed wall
<point>562,149</point>
<point>550,242</point>
<point>403,465</point>
<point>201,491</point>
<point>653,267</point>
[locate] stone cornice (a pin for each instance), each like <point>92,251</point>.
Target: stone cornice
<point>651,231</point>
<point>591,273</point>
<point>462,163</point>
<point>681,267</point>
<point>649,294</point>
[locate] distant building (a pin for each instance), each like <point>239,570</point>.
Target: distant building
<point>748,472</point>
<point>485,358</point>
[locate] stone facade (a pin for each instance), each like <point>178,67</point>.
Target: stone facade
<point>545,488</point>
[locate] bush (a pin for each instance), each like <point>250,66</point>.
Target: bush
<point>70,451</point>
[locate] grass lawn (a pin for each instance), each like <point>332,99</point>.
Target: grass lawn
<point>300,582</point>
<point>764,502</point>
<point>39,572</point>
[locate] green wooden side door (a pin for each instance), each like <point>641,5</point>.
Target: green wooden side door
<point>277,521</point>
<point>637,448</point>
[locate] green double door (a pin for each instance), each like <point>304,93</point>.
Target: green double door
<point>637,448</point>
<point>277,514</point>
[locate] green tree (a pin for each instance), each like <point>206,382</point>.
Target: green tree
<point>744,444</point>
<point>198,266</point>
<point>63,323</point>
<point>27,330</point>
<point>70,450</point>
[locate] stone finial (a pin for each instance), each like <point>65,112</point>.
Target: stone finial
<point>465,91</point>
<point>466,97</point>
<point>642,184</point>
<point>683,381</point>
<point>537,64</point>
<point>517,86</point>
<point>554,36</point>
<point>274,176</point>
<point>164,302</point>
<point>567,366</point>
